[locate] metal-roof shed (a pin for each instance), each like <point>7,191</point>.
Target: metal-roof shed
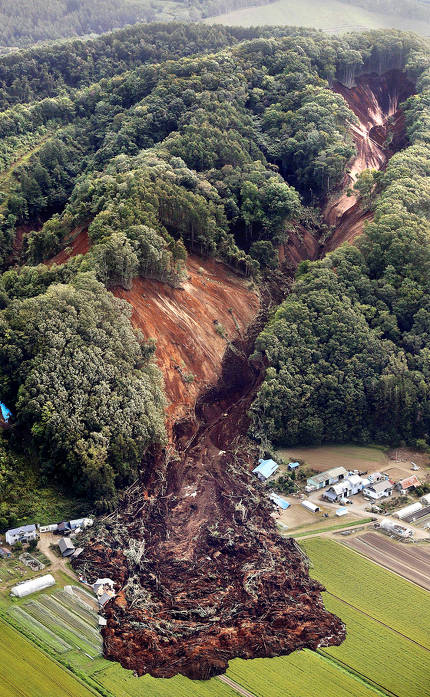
<point>293,465</point>
<point>334,473</point>
<point>66,546</point>
<point>341,511</point>
<point>310,506</point>
<point>265,468</point>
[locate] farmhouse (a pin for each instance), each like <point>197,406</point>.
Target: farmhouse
<point>348,487</point>
<point>25,533</point>
<point>319,481</point>
<point>408,483</point>
<point>66,547</point>
<point>379,490</point>
<point>265,469</point>
<point>104,590</point>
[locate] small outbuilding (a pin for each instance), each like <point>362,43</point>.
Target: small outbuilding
<point>310,506</point>
<point>265,469</point>
<point>64,528</point>
<point>293,465</point>
<point>279,501</point>
<point>341,511</point>
<point>32,585</point>
<point>66,546</point>
<point>5,553</point>
<point>408,511</point>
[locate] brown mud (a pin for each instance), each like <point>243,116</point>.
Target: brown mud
<point>201,574</point>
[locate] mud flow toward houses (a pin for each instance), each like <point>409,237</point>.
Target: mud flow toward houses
<point>201,574</point>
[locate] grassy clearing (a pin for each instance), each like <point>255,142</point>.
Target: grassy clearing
<point>330,15</point>
<point>302,674</point>
<point>376,652</point>
<point>349,456</point>
<point>27,672</point>
<point>340,526</point>
<point>370,588</point>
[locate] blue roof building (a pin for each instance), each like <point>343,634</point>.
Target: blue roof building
<point>265,469</point>
<point>293,465</point>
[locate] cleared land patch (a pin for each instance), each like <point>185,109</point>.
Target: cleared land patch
<point>349,456</point>
<point>411,561</point>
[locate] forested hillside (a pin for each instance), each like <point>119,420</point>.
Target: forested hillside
<point>222,154</point>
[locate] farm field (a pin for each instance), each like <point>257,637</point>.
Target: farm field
<point>412,561</point>
<point>380,655</point>
<point>25,671</point>
<point>331,16</point>
<point>348,456</point>
<point>376,591</point>
<point>302,674</point>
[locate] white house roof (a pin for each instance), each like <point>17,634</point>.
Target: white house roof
<point>354,479</point>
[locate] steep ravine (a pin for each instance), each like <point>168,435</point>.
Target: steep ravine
<point>201,573</point>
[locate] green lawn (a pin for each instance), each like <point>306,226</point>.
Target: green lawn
<point>329,15</point>
<point>370,588</point>
<point>27,672</point>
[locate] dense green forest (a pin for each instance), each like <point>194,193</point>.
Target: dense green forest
<point>160,153</point>
<point>23,23</point>
<point>348,351</point>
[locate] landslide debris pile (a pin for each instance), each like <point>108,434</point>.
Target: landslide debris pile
<point>201,574</point>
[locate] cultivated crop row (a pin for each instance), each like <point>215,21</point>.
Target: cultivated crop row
<point>38,630</point>
<point>368,587</point>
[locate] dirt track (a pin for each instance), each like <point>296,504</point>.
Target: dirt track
<point>411,562</point>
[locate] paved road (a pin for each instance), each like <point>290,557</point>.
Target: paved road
<point>410,561</point>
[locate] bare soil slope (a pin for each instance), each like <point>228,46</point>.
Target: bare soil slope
<point>379,134</point>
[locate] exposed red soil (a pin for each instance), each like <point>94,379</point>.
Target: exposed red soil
<point>77,243</point>
<point>187,323</point>
<point>301,244</point>
<point>375,101</point>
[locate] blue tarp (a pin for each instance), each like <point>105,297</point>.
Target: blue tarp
<point>279,501</point>
<point>266,468</point>
<point>6,413</point>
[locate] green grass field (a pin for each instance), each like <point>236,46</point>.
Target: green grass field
<point>370,588</point>
<point>330,16</point>
<point>27,672</point>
